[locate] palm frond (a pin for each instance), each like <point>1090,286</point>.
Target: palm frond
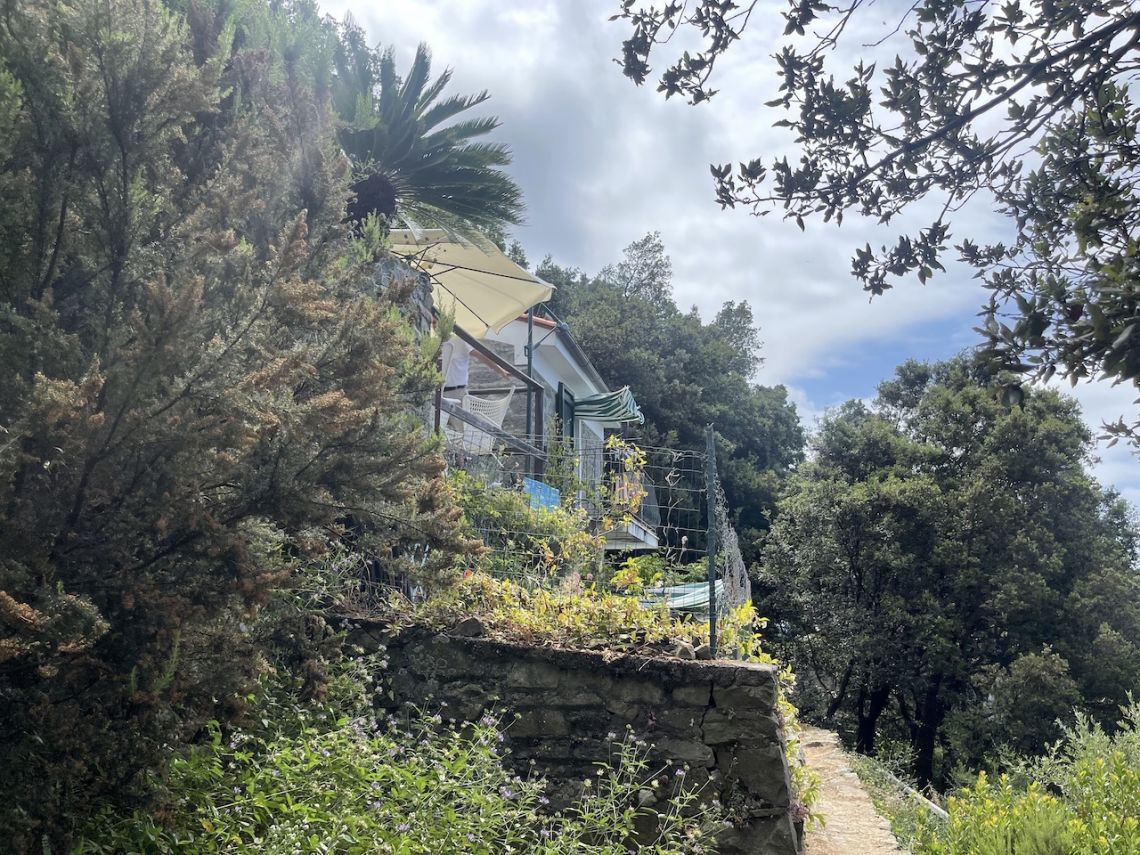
<point>465,130</point>
<point>439,113</point>
<point>410,144</point>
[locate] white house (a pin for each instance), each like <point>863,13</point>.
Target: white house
<point>577,407</point>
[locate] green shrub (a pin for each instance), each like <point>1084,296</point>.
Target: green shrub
<point>333,779</point>
<point>652,570</point>
<point>1000,819</point>
<point>1083,798</point>
<point>530,545</point>
<point>191,360</point>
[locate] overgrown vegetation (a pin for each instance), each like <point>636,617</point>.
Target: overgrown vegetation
<point>653,570</point>
<point>536,544</point>
<point>1081,798</point>
<point>331,777</point>
<point>201,384</point>
<point>532,545</point>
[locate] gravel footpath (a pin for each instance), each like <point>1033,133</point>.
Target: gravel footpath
<point>853,827</point>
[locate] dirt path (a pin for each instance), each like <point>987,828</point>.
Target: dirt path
<point>853,827</point>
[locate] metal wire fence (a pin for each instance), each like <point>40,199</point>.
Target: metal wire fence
<point>673,510</point>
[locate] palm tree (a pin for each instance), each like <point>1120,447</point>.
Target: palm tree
<point>408,161</point>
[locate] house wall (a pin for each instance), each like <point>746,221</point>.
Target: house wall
<point>718,719</point>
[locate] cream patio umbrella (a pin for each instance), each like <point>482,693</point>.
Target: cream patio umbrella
<point>483,288</point>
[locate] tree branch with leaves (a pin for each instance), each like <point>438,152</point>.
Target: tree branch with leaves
<point>1028,103</point>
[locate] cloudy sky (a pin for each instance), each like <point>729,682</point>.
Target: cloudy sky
<point>602,163</point>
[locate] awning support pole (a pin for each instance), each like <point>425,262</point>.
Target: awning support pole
<point>530,391</point>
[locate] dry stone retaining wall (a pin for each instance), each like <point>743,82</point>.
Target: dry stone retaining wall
<point>718,718</point>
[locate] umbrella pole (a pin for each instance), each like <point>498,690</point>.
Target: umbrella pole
<point>530,390</point>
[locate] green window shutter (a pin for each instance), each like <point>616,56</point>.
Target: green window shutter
<point>564,407</point>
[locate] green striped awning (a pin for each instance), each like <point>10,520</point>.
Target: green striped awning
<point>617,407</point>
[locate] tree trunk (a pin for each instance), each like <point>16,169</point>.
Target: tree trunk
<point>924,732</point>
<point>841,692</point>
<point>871,706</point>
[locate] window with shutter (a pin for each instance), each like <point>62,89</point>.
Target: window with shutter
<point>564,407</point>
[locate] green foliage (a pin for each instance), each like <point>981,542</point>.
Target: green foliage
<point>1083,798</point>
<point>331,778</point>
<point>571,615</point>
<point>562,464</point>
<point>934,545</point>
<point>652,570</point>
<point>971,90</point>
<point>1001,820</point>
<point>1032,699</point>
<point>685,373</point>
<point>610,498</point>
<point>576,616</point>
<point>529,545</point>
<point>200,382</point>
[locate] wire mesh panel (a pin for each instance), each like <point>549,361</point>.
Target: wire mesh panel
<point>737,588</point>
<point>663,500</point>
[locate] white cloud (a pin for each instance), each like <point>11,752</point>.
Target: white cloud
<point>1102,402</point>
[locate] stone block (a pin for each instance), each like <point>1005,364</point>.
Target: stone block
<point>538,722</point>
<point>684,721</point>
<point>685,751</point>
<point>576,697</point>
<point>684,650</point>
<point>638,691</point>
<point>763,836</point>
<point>465,701</point>
<point>764,773</point>
<point>470,627</point>
<point>622,709</point>
<point>720,727</point>
<point>444,657</point>
<point>532,675</point>
<point>760,695</point>
<point>692,696</point>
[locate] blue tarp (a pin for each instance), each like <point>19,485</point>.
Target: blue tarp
<point>541,495</point>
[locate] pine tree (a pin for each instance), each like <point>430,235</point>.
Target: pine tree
<point>201,384</point>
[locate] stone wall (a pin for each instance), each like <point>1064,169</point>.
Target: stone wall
<point>418,308</point>
<point>718,718</point>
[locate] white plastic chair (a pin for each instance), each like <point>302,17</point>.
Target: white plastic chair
<point>494,410</point>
